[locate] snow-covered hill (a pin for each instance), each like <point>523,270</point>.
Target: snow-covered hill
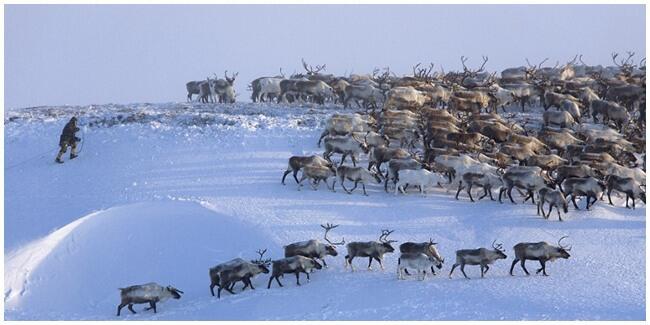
<point>162,192</point>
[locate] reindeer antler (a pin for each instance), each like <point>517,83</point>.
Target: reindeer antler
<point>384,236</point>
<point>463,59</point>
<point>328,227</point>
<point>563,247</point>
<point>485,60</point>
<point>310,70</point>
<point>261,260</point>
<point>498,247</point>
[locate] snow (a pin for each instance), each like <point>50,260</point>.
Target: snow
<point>167,191</point>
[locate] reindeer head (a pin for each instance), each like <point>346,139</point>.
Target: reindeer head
<point>498,248</point>
<point>433,252</point>
<point>230,80</point>
<point>625,65</point>
<point>261,262</point>
<point>310,70</point>
<point>331,248</point>
<point>176,294</point>
<point>532,69</point>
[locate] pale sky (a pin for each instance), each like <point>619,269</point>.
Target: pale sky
<point>95,54</point>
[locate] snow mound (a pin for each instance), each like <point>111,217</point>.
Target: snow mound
<point>78,268</point>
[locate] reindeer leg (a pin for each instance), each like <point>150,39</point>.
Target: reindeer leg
<point>509,192</point>
<point>462,269</point>
<point>119,308</point>
<point>512,267</point>
<point>297,277</point>
<point>487,267</point>
<point>460,187</point>
<point>381,264</point>
<point>485,193</point>
<point>369,262</point>
<point>453,267</point>
<point>543,269</point>
<point>364,189</point>
<point>355,186</point>
<point>609,196</point>
<point>343,158</point>
<point>285,175</point>
<point>589,200</point>
<point>354,160</point>
<point>523,266</point>
<point>482,269</point>
<point>131,308</point>
<point>469,192</point>
<point>212,288</point>
<point>269,285</point>
<point>573,200</point>
<point>343,186</point>
<point>550,208</point>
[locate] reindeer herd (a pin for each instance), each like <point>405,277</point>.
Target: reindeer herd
<point>445,130</point>
<point>437,129</point>
<point>307,256</point>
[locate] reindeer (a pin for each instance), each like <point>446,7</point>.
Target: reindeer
<point>266,87</point>
<point>371,250</point>
<point>589,187</point>
<point>317,174</point>
<point>427,248</point>
<point>216,270</point>
<point>224,88</point>
<point>296,163</point>
<point>356,175</point>
<point>627,185</point>
<point>555,198</point>
<point>480,256</point>
<point>530,179</point>
<point>296,265</point>
<point>417,177</point>
<point>313,248</point>
<point>346,146</point>
<point>397,164</point>
<point>151,293</point>
<point>418,261</point>
<point>380,155</point>
<point>487,181</point>
<point>242,272</point>
<point>196,87</point>
<point>540,251</point>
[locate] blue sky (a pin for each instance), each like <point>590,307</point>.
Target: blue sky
<point>94,54</point>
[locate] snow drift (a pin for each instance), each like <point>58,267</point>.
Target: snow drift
<point>78,268</point>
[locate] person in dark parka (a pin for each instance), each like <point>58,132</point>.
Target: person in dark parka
<point>68,138</point>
